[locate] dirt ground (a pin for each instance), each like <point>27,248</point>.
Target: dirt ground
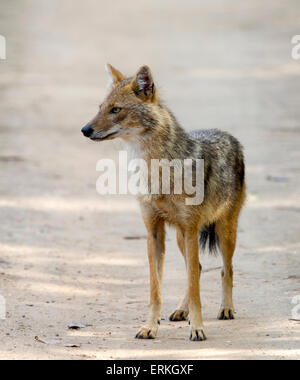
<point>64,256</point>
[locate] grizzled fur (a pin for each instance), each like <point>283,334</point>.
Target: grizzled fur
<point>224,174</point>
<point>134,112</point>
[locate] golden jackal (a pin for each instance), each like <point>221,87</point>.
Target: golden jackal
<point>134,112</point>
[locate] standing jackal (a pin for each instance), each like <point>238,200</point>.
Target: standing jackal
<point>134,112</point>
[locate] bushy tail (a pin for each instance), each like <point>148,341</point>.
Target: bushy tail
<point>208,235</point>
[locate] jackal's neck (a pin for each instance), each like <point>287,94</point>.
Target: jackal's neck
<point>164,137</point>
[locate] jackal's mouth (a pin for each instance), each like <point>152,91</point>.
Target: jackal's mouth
<point>101,138</point>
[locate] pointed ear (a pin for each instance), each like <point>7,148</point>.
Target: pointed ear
<point>143,84</point>
<point>114,75</point>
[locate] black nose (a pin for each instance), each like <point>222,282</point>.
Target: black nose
<point>87,131</point>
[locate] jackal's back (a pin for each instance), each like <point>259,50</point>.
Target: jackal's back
<point>224,164</point>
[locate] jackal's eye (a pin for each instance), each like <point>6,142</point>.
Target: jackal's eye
<point>115,110</point>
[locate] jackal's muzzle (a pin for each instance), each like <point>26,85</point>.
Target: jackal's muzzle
<point>87,131</point>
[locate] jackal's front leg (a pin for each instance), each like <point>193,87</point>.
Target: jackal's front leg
<point>182,311</point>
<point>193,270</point>
<point>156,253</point>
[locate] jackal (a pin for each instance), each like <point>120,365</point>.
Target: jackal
<point>134,112</point>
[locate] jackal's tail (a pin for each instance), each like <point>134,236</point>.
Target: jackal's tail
<point>208,235</point>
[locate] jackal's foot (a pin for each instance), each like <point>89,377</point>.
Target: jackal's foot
<point>226,313</point>
<point>179,315</point>
<point>147,332</point>
<point>197,334</point>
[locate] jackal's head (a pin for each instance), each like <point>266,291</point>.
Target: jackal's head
<point>126,111</point>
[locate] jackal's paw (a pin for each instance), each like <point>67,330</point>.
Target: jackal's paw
<point>226,313</point>
<point>147,332</point>
<point>197,334</point>
<point>179,315</point>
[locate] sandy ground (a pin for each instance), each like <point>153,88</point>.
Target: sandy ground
<point>64,256</point>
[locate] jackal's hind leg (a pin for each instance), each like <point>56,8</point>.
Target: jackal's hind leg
<point>226,231</point>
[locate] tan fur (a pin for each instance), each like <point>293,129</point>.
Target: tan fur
<point>145,123</point>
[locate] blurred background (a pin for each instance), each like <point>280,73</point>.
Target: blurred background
<point>75,256</point>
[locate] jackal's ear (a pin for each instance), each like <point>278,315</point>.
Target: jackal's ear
<point>143,84</point>
<point>114,75</point>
